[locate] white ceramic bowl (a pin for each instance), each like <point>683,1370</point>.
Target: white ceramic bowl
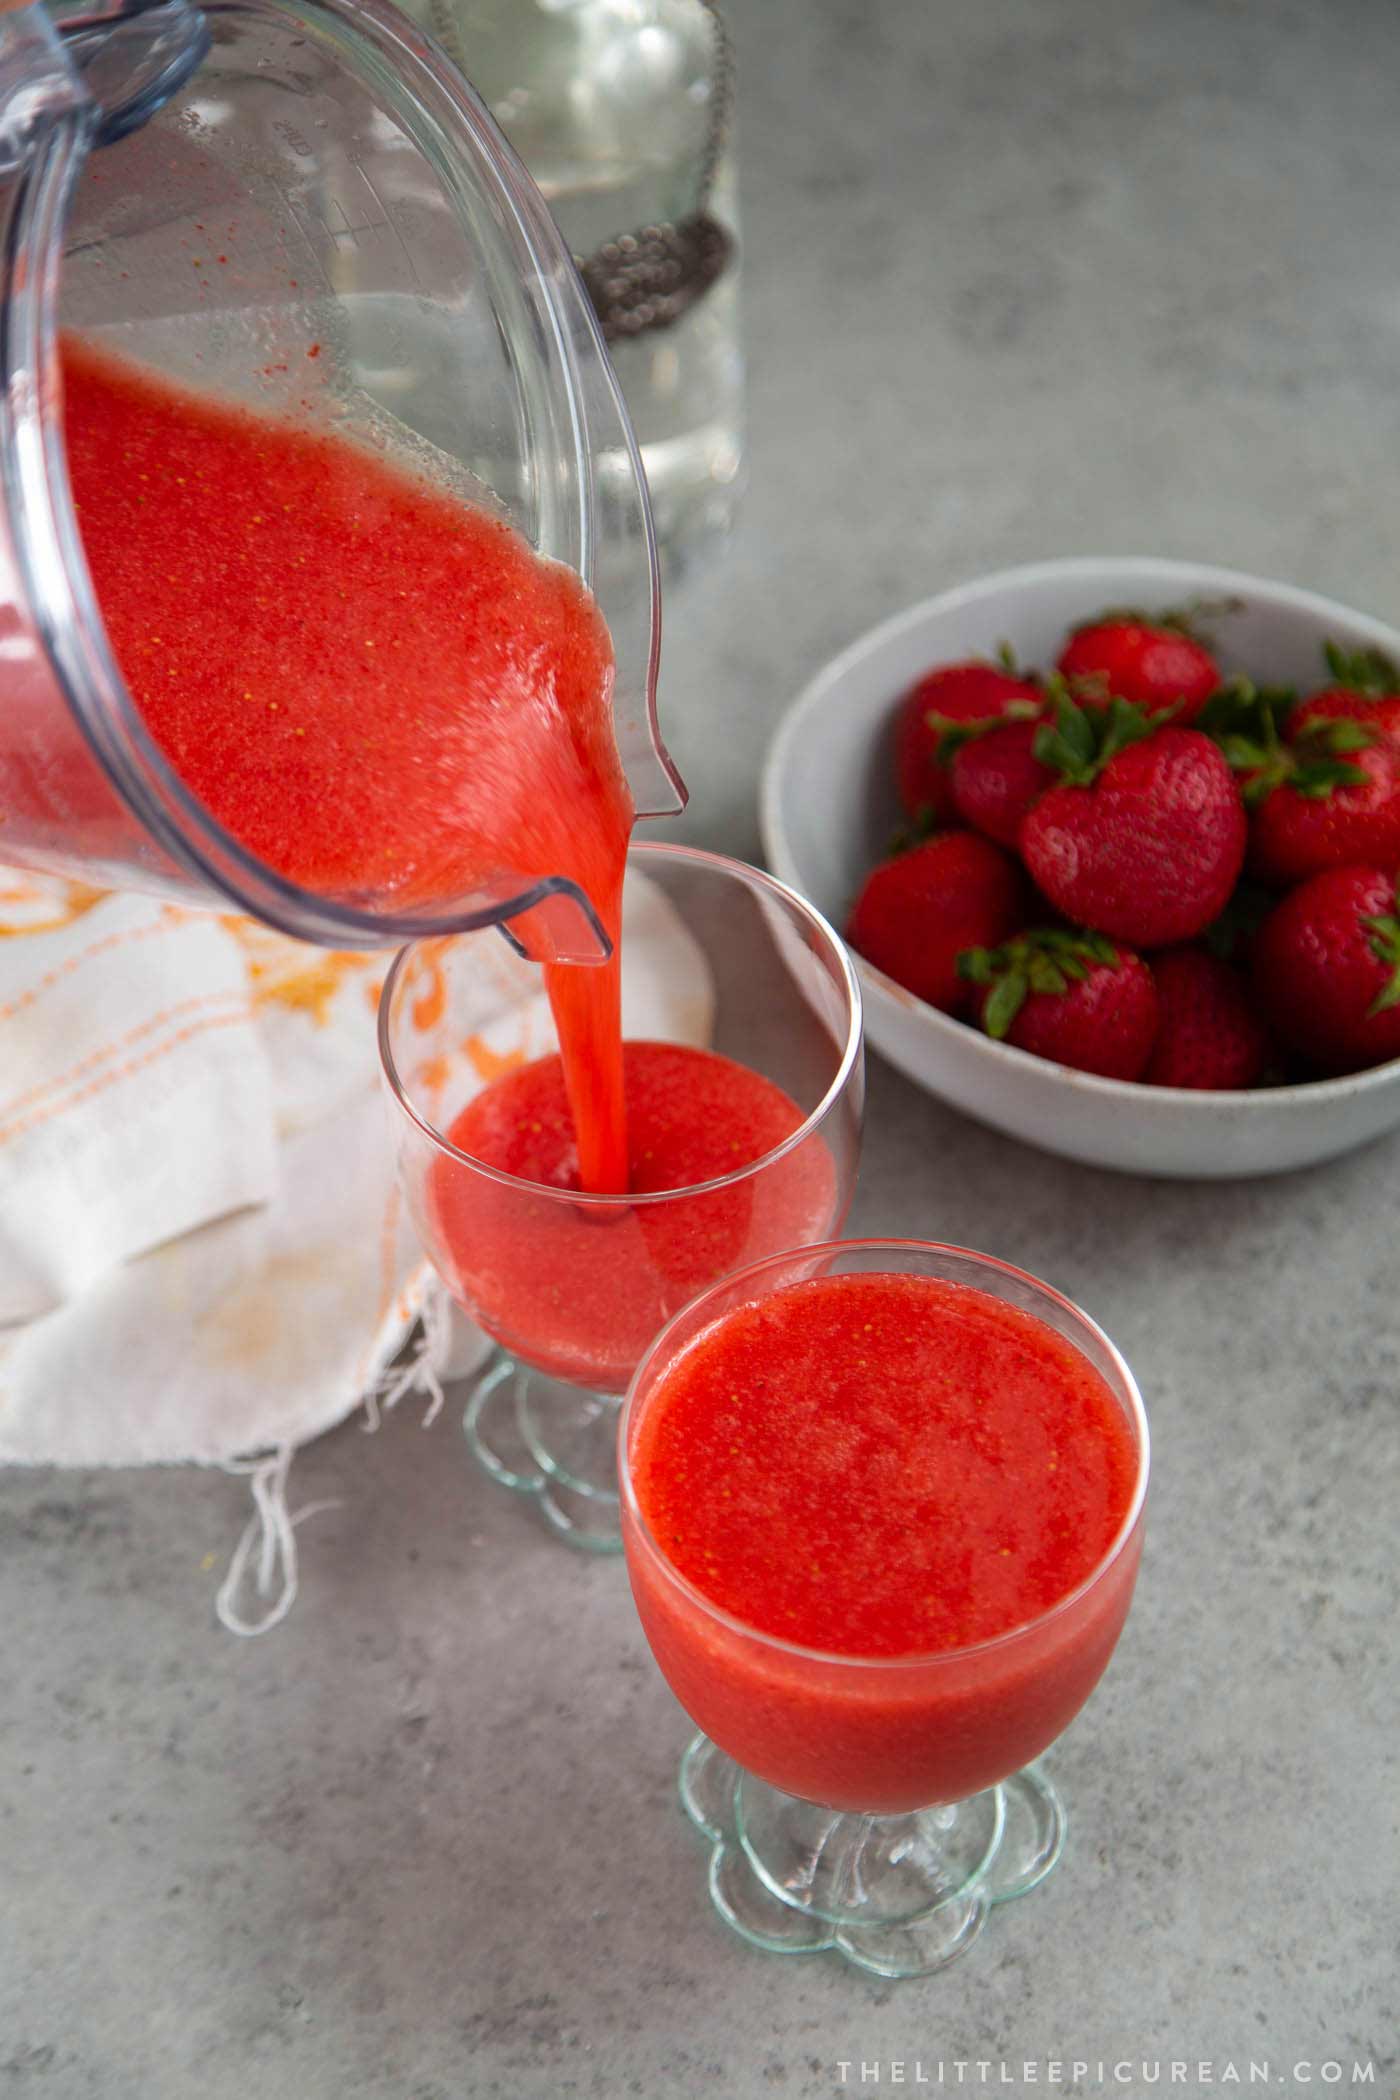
<point>829,809</point>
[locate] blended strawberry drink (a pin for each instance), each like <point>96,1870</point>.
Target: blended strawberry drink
<point>375,686</point>
<point>883,1514</point>
<point>582,1294</point>
<point>739,1142</point>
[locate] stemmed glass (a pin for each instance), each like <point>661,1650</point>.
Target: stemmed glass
<point>573,1287</point>
<point>877,1806</point>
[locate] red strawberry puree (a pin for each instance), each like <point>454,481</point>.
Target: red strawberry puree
<point>379,690</point>
<point>582,1293</point>
<point>883,1467</point>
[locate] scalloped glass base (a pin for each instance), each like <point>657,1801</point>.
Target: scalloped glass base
<point>553,1444</point>
<point>895,1895</point>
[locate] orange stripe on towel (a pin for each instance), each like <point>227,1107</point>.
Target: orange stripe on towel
<point>61,970</point>
<point>55,1082</point>
<point>31,1118</point>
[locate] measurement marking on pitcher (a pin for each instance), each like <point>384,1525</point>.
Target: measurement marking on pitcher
<point>348,229</point>
<point>389,220</point>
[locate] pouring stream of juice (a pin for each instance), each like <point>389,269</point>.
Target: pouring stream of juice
<point>377,688</point>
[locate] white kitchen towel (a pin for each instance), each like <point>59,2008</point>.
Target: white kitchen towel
<point>126,1033</point>
<point>203,1254</point>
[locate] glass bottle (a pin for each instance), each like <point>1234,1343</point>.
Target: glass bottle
<point>620,110</point>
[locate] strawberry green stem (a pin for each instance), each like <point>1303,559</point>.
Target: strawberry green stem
<point>1045,959</point>
<point>1384,933</point>
<point>953,734</point>
<point>1079,743</point>
<point>1369,672</point>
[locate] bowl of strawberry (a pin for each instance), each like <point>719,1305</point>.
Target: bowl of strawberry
<point>1116,845</point>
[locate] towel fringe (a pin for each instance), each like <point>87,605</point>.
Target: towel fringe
<point>421,1374</point>
<point>271,1533</point>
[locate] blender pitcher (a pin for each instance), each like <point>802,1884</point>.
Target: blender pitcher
<point>366,211</point>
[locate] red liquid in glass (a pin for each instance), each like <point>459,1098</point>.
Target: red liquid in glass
<point>582,1293</point>
<point>379,690</point>
<point>897,1470</point>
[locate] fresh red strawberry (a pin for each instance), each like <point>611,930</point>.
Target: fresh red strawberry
<point>1328,811</point>
<point>917,912</point>
<point>1366,689</point>
<point>1144,838</point>
<point>1323,788</point>
<point>1337,703</point>
<point>957,693</point>
<point>996,779</point>
<point>1327,968</point>
<point>1073,997</point>
<point>1155,662</point>
<point>1209,1034</point>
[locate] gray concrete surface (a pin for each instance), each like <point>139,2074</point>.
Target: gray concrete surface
<point>1022,279</point>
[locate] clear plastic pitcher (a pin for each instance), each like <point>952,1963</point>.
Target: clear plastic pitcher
<point>215,191</point>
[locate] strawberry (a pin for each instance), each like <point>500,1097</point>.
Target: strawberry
<point>996,779</point>
<point>1209,1034</point>
<point>916,912</point>
<point>1156,662</point>
<point>1327,968</point>
<point>955,694</point>
<point>1073,997</point>
<point>1324,790</point>
<point>1145,835</point>
<point>1338,703</point>
<point>1366,690</point>
<point>1337,805</point>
